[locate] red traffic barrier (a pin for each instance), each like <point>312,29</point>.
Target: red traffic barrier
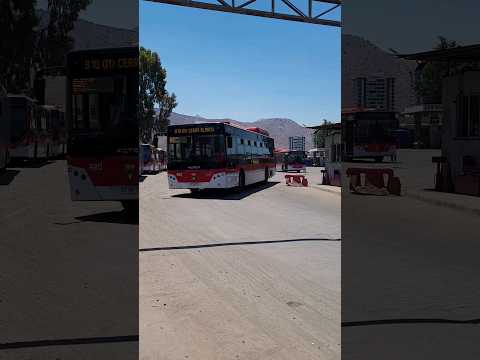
<point>374,183</point>
<point>296,180</point>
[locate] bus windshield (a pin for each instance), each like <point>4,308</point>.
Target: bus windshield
<point>102,104</point>
<point>102,101</point>
<point>374,127</point>
<point>196,151</point>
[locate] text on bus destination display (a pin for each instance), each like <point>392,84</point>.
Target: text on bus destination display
<point>195,130</point>
<point>110,64</point>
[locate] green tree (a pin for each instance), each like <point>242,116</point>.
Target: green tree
<point>17,26</point>
<point>152,92</point>
<point>54,41</point>
<point>428,82</point>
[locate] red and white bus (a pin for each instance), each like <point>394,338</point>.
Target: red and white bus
<point>29,129</point>
<point>218,156</point>
<point>101,113</point>
<point>367,134</point>
<point>290,160</point>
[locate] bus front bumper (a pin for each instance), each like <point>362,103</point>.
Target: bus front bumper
<point>218,181</point>
<point>82,188</point>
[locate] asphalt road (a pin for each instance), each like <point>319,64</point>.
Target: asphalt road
<point>211,288</point>
<point>409,272</point>
<point>68,271</point>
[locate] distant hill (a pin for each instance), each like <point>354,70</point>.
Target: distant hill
<point>280,129</point>
<point>361,58</point>
<point>88,35</point>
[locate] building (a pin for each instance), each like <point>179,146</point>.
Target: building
<point>296,143</point>
<point>425,122</point>
<point>333,164</point>
<point>458,169</point>
<point>333,151</point>
<point>375,92</point>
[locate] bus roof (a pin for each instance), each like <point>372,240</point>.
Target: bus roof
<point>258,130</point>
<point>111,50</point>
<point>20,96</point>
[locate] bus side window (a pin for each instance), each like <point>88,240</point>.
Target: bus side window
<point>229,142</point>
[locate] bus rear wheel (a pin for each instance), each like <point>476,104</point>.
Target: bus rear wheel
<point>265,180</point>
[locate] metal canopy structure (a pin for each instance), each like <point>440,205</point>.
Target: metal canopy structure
<point>275,9</point>
<point>459,53</point>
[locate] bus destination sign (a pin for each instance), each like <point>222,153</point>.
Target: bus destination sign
<point>109,64</point>
<point>194,130</point>
<point>99,63</point>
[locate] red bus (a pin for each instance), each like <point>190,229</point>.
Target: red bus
<point>367,134</point>
<point>218,156</point>
<point>101,114</point>
<point>290,160</point>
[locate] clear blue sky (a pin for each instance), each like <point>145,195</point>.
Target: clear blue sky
<point>223,65</point>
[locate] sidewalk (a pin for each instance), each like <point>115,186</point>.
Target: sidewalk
<point>466,203</point>
<point>337,190</point>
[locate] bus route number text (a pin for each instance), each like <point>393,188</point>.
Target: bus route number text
<point>110,64</point>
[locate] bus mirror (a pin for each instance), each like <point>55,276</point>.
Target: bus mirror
<point>229,142</point>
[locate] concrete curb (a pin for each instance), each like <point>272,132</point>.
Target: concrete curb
<point>326,189</point>
<point>443,203</point>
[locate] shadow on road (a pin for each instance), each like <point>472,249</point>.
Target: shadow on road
<point>227,194</point>
<point>258,242</point>
<point>114,217</point>
<point>475,321</point>
<point>142,178</point>
<point>7,176</point>
<point>75,341</point>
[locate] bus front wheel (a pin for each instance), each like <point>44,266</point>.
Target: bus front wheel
<point>266,176</point>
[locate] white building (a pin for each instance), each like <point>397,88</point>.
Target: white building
<point>296,143</point>
<point>375,92</point>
